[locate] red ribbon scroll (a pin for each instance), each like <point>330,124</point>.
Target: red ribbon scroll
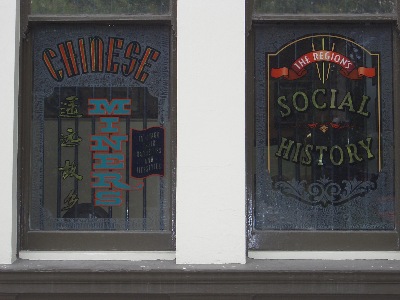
<point>286,73</point>
<point>359,73</point>
<point>297,70</point>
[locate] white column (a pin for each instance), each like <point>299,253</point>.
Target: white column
<point>8,150</point>
<point>211,132</point>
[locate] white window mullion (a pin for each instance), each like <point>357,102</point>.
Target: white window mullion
<point>210,223</point>
<point>8,159</point>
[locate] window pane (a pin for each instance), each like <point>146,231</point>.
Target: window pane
<point>323,6</point>
<point>324,128</point>
<point>100,128</point>
<point>129,7</point>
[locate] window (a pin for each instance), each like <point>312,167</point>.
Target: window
<point>323,128</point>
<point>266,7</point>
<point>98,127</point>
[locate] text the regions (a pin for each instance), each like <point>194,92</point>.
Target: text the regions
<point>323,55</point>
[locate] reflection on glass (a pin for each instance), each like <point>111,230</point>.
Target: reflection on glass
<point>323,6</point>
<point>64,7</point>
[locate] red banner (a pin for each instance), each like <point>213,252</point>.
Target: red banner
<point>298,70</point>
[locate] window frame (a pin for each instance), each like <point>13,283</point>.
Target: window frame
<point>87,240</point>
<point>301,240</point>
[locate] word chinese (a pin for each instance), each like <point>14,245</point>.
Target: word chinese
<point>93,55</point>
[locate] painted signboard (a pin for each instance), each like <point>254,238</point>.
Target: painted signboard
<point>100,111</point>
<point>324,148</point>
<point>337,138</point>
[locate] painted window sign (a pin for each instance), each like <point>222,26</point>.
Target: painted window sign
<point>94,55</point>
<point>100,110</point>
<point>333,119</point>
<point>326,144</point>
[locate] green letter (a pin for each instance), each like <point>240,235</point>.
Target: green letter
<point>307,160</point>
<point>296,153</point>
<point>321,150</point>
<point>347,101</point>
<point>367,147</point>
<point>314,101</point>
<point>340,153</point>
<point>285,148</point>
<point>363,104</point>
<point>295,102</point>
<point>280,102</point>
<point>352,150</point>
<point>333,98</point>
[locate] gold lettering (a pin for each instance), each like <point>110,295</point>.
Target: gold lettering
<point>352,151</point>
<point>295,97</point>
<point>367,147</point>
<point>296,153</point>
<point>321,150</point>
<point>285,148</point>
<point>333,98</point>
<point>362,105</point>
<point>306,160</point>
<point>347,101</point>
<point>283,105</point>
<point>340,155</point>
<point>314,100</point>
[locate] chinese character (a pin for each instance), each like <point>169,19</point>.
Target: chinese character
<point>69,170</point>
<point>69,108</point>
<point>70,139</point>
<point>70,200</point>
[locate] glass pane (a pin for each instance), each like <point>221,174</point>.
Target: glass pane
<point>128,7</point>
<point>100,128</point>
<point>324,128</point>
<point>323,6</point>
